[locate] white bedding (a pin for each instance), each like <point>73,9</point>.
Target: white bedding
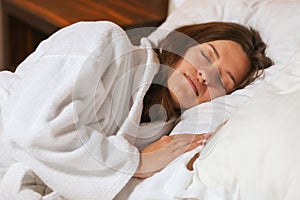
<point>257,151</point>
<point>255,155</point>
<point>224,171</point>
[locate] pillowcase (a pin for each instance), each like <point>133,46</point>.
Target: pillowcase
<point>257,151</point>
<point>174,4</point>
<point>276,20</point>
<point>205,117</point>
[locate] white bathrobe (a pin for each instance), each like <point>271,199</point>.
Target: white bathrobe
<point>71,116</point>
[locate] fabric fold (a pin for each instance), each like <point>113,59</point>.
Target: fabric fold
<point>67,117</point>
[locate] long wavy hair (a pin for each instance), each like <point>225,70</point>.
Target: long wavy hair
<point>172,48</point>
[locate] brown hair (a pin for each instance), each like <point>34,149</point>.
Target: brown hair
<point>173,47</point>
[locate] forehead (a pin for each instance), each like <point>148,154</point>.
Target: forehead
<point>226,47</point>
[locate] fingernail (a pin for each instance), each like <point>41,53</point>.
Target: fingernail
<point>202,142</point>
<point>206,136</point>
<point>199,142</point>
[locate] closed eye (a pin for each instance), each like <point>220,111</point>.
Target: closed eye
<point>214,50</point>
<point>231,77</point>
<point>221,83</point>
<point>206,56</point>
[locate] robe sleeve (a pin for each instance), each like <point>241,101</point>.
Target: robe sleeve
<point>49,118</point>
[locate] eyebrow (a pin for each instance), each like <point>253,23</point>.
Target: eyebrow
<point>218,56</point>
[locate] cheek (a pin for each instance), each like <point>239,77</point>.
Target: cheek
<point>244,67</point>
<point>182,94</point>
<point>184,67</point>
<point>178,85</point>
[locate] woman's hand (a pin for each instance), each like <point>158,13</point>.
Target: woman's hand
<point>190,164</point>
<point>160,153</point>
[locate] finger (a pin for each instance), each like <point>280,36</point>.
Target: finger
<point>194,145</point>
<point>192,137</point>
<point>204,136</point>
<point>187,142</point>
<point>187,139</point>
<point>188,147</point>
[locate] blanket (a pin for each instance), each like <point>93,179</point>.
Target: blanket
<point>71,119</point>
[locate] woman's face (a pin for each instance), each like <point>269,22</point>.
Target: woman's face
<point>207,71</point>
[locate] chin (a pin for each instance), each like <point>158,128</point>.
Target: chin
<point>187,101</point>
<point>184,97</point>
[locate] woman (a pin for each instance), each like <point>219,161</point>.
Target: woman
<point>86,102</point>
<point>209,60</point>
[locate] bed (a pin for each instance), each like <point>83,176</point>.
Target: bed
<point>255,154</point>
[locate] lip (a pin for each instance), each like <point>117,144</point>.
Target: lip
<point>193,84</point>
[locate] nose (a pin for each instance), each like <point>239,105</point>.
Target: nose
<point>210,76</point>
<point>201,78</point>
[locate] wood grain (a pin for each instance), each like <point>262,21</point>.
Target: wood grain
<point>50,15</point>
<point>28,22</point>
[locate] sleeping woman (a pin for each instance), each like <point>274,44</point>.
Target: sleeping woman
<point>88,110</point>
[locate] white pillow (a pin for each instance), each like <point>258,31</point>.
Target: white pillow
<point>257,151</point>
<point>174,4</point>
<point>276,20</point>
